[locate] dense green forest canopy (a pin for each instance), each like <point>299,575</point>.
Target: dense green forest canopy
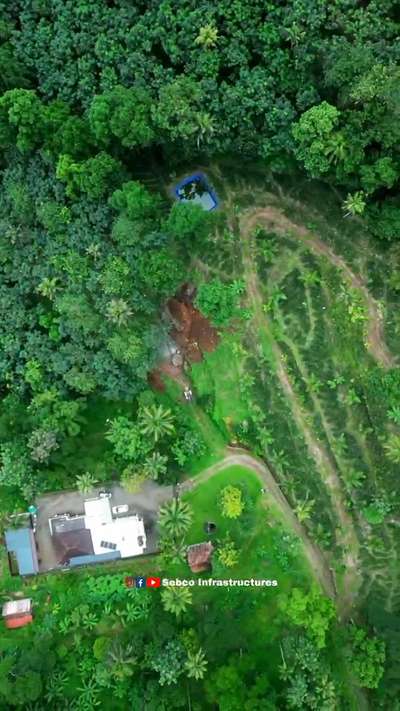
<point>102,103</point>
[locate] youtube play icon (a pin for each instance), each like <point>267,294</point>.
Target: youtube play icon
<point>153,582</point>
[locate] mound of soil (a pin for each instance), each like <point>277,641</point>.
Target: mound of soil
<point>192,331</point>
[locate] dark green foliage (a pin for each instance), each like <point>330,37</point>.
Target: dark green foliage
<point>306,676</point>
<point>188,224</point>
<point>123,114</point>
<point>219,301</point>
<point>366,657</point>
<point>94,177</point>
<point>384,219</point>
<point>234,686</point>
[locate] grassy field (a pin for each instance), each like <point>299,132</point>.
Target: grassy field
<point>258,532</point>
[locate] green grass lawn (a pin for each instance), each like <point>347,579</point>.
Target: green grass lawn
<point>255,532</point>
<point>215,437</point>
<point>260,535</point>
<point>218,376</point>
<point>265,553</point>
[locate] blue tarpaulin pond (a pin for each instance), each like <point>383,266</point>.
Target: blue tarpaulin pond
<point>196,188</point>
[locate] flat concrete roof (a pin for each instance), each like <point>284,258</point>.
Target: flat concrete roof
<point>98,512</point>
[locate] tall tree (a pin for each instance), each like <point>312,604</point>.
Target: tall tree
<point>156,421</point>
<point>176,599</point>
<point>122,113</point>
<point>175,517</point>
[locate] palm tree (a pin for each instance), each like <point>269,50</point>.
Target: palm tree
<point>196,664</point>
<point>120,660</point>
<point>48,287</point>
<point>88,695</point>
<point>173,550</point>
<point>93,250</point>
<point>176,600</point>
<point>336,148</point>
<point>156,421</point>
<point>55,686</point>
<point>175,517</point>
<point>155,465</point>
<point>295,34</point>
<point>85,482</point>
<point>304,508</point>
<point>392,448</point>
<point>118,311</point>
<point>394,414</point>
<point>205,126</point>
<point>310,278</point>
<point>354,478</point>
<point>354,204</point>
<point>207,37</point>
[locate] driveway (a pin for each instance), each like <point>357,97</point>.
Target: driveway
<point>145,503</point>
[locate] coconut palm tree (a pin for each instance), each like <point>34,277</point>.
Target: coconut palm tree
<point>205,126</point>
<point>354,478</point>
<point>118,311</point>
<point>155,465</point>
<point>196,664</point>
<point>85,482</point>
<point>176,600</point>
<point>120,660</point>
<point>156,421</point>
<point>173,550</point>
<point>392,448</point>
<point>310,278</point>
<point>175,517</point>
<point>88,695</point>
<point>336,148</point>
<point>304,508</point>
<point>394,414</point>
<point>93,250</point>
<point>48,287</point>
<point>55,686</point>
<point>208,36</point>
<point>354,204</point>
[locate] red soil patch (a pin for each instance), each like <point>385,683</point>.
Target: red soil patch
<point>192,331</point>
<point>166,368</point>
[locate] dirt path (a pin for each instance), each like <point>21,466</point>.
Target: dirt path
<point>273,218</point>
<point>313,554</point>
<point>345,534</point>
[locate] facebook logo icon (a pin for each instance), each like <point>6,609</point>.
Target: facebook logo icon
<point>140,583</point>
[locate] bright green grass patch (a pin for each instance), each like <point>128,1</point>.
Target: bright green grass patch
<point>256,533</point>
<point>215,438</point>
<point>219,375</point>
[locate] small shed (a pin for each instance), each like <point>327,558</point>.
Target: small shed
<point>199,556</point>
<point>17,613</point>
<point>21,549</point>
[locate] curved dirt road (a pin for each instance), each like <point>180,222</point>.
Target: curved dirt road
<point>316,560</point>
<point>273,218</point>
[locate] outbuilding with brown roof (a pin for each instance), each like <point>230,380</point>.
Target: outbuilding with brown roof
<point>199,556</point>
